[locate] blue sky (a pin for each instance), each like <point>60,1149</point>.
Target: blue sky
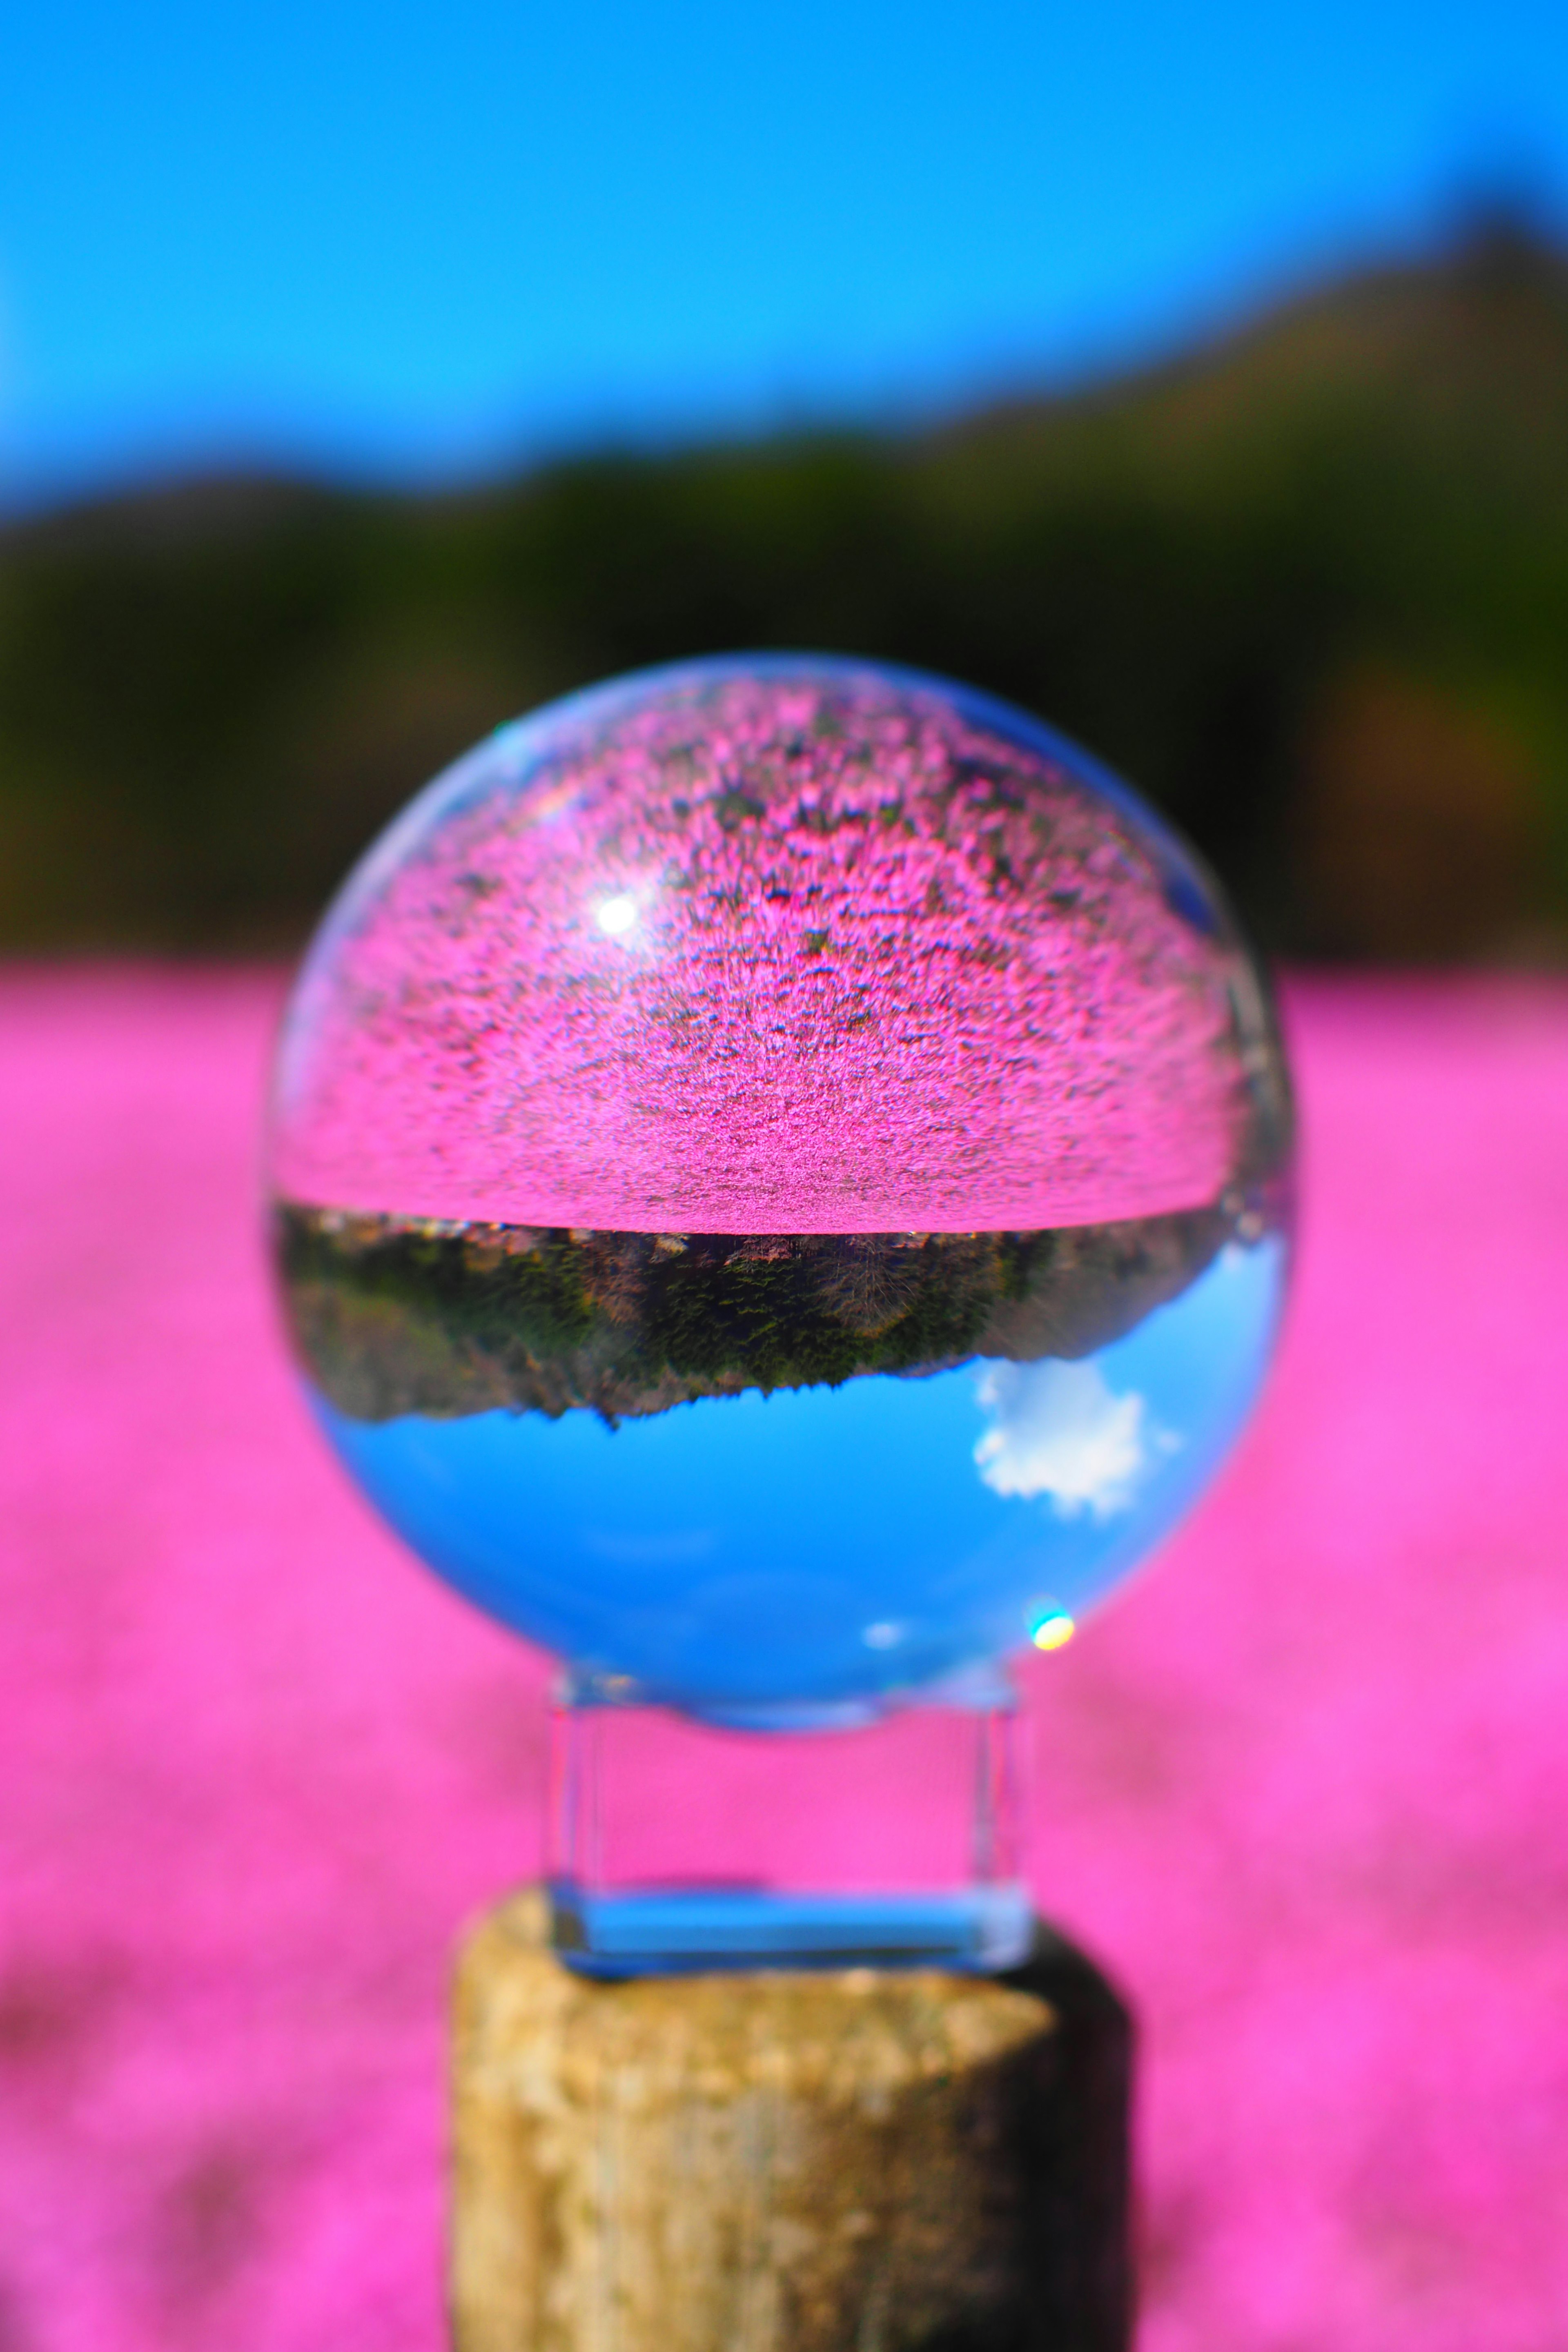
<point>413,239</point>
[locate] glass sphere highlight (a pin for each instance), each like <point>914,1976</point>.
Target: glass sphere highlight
<point>780,1175</point>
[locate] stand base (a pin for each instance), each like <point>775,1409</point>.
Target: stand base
<point>786,2160</point>
<point>658,1934</point>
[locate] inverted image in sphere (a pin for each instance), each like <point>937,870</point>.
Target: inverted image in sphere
<point>780,1172</point>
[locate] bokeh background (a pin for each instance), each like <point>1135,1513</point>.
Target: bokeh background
<point>1196,376</point>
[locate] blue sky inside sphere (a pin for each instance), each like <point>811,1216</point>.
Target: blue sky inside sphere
<point>417,243</point>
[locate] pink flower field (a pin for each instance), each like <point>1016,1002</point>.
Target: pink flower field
<point>1303,1789</point>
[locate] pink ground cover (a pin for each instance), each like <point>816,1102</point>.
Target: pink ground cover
<point>800,952</point>
<point>1303,1789</point>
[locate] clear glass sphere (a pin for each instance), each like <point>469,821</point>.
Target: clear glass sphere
<point>780,1172</point>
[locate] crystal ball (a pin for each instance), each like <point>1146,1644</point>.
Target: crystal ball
<point>779,1178</point>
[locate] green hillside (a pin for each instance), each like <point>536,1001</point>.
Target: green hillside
<point>1308,587</point>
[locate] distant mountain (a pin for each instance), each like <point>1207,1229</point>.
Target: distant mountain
<point>1476,341</point>
<point>1307,585</point>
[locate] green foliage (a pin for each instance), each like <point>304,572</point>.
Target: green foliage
<point>610,1319</point>
<point>392,1315</point>
<point>211,698</point>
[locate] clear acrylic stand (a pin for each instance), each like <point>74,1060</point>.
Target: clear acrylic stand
<point>678,1845</point>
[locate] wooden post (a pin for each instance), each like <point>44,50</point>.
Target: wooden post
<point>853,2161</point>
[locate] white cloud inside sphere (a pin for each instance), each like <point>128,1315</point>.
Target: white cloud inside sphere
<point>1058,1429</point>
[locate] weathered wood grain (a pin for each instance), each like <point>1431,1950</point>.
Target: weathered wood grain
<point>853,2161</point>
